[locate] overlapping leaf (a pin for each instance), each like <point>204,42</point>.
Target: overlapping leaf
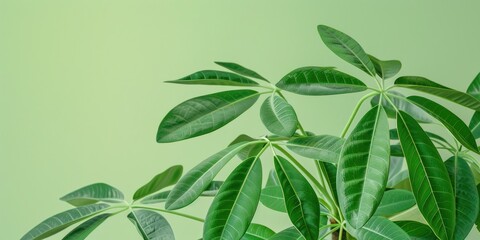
<point>83,230</point>
<point>398,100</point>
<point>290,233</point>
<point>278,116</point>
<point>424,85</point>
<point>93,193</point>
<point>346,48</point>
<point>395,173</point>
<point>63,220</point>
<point>192,184</point>
<point>363,168</point>
<point>300,199</point>
<point>250,150</point>
<point>258,232</point>
<point>379,228</point>
<point>237,68</point>
<point>428,177</point>
<point>232,210</point>
<point>474,87</point>
<point>320,81</point>
<point>474,125</point>
<point>416,230</point>
<point>324,148</point>
<point>385,69</point>
<point>212,77</point>
<point>210,191</point>
<point>162,180</point>
<point>151,225</point>
<point>466,196</point>
<point>204,114</point>
<point>395,201</point>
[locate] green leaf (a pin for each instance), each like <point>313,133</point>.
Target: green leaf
<point>237,68</point>
<point>424,85</point>
<point>258,232</point>
<point>63,220</point>
<point>477,222</point>
<point>272,197</point>
<point>363,168</point>
<point>396,150</point>
<point>428,177</point>
<point>232,210</point>
<point>453,123</point>
<point>250,150</point>
<point>160,197</point>
<point>379,228</point>
<point>212,77</point>
<point>385,69</point>
<point>83,230</point>
<point>397,99</point>
<point>416,230</point>
<point>466,196</point>
<point>475,125</point>
<point>290,233</point>
<point>346,48</point>
<point>331,177</point>
<point>204,114</point>
<point>474,87</point>
<point>395,201</point>
<point>192,184</point>
<point>92,194</point>
<point>395,173</point>
<point>151,225</point>
<point>320,81</point>
<point>167,178</point>
<point>272,179</point>
<point>324,148</point>
<point>300,199</point>
<point>278,116</point>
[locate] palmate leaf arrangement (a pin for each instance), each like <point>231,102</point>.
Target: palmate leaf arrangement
<point>361,184</point>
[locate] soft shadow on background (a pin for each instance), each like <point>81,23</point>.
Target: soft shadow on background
<point>82,92</point>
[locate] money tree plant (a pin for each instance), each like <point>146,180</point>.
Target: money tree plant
<point>359,185</point>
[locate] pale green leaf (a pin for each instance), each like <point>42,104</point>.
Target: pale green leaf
<point>151,225</point>
<point>278,116</point>
<point>258,232</point>
<point>290,233</point>
<point>167,178</point>
<point>83,230</point>
<point>237,68</point>
<point>325,148</point>
<point>474,87</point>
<point>474,125</point>
<point>92,194</point>
<point>160,197</point>
<point>385,69</point>
<point>416,230</point>
<point>272,197</point>
<point>398,100</point>
<point>395,201</point>
<point>379,228</point>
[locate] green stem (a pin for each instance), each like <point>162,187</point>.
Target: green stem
<point>171,212</point>
<point>355,111</point>
<point>323,175</point>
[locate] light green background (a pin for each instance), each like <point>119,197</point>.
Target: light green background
<point>82,92</point>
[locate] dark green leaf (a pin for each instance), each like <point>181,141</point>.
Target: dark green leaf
<point>258,232</point>
<point>466,196</point>
<point>272,197</point>
<point>151,225</point>
<point>324,148</point>
<point>424,85</point>
<point>83,230</point>
<point>250,150</point>
<point>386,69</point>
<point>162,180</point>
<point>92,194</point>
<point>475,125</point>
<point>204,114</point>
<point>363,168</point>
<point>453,123</point>
<point>232,210</point>
<point>416,230</point>
<point>160,197</point>
<point>290,233</point>
<point>237,68</point>
<point>320,81</point>
<point>330,177</point>
<point>212,77</point>
<point>278,116</point>
<point>395,201</point>
<point>300,199</point>
<point>428,177</point>
<point>346,48</point>
<point>191,186</point>
<point>62,220</point>
<point>474,87</point>
<point>396,150</point>
<point>379,228</point>
<point>397,99</point>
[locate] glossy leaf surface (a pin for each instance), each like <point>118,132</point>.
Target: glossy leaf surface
<point>151,225</point>
<point>278,116</point>
<point>346,48</point>
<point>363,168</point>
<point>395,201</point>
<point>212,77</point>
<point>237,68</point>
<point>324,148</point>
<point>204,114</point>
<point>379,228</point>
<point>62,220</point>
<point>290,233</point>
<point>272,197</point>
<point>92,194</point>
<point>232,210</point>
<point>397,99</point>
<point>428,177</point>
<point>453,123</point>
<point>250,150</point>
<point>474,125</point>
<point>300,199</point>
<point>210,191</point>
<point>416,230</point>
<point>320,81</point>
<point>385,69</point>
<point>466,196</point>
<point>167,178</point>
<point>83,230</point>
<point>258,232</point>
<point>424,85</point>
